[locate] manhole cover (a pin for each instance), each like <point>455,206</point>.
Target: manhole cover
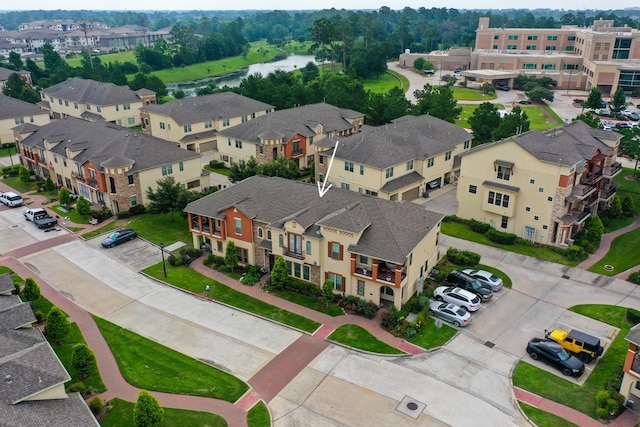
<point>412,405</point>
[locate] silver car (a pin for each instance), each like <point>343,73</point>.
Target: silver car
<point>488,279</point>
<point>450,312</point>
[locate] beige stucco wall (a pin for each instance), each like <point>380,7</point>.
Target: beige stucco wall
<point>6,134</point>
<point>191,172</point>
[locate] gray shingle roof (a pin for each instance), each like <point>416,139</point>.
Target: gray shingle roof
<point>209,107</point>
<point>390,230</point>
<point>634,335</point>
<point>402,181</point>
<point>6,284</point>
<point>17,316</point>
<point>5,73</point>
<point>92,92</point>
<point>69,412</point>
<point>12,107</point>
<point>406,138</point>
<point>299,120</point>
<point>101,142</point>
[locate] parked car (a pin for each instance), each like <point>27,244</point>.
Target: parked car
<point>462,280</point>
<point>11,199</point>
<point>586,347</point>
<point>450,312</point>
<point>553,354</point>
<point>457,296</point>
<point>626,112</point>
<point>634,116</point>
<point>429,72</point>
<point>118,237</point>
<point>623,125</point>
<point>486,278</point>
<point>604,112</point>
<point>502,86</point>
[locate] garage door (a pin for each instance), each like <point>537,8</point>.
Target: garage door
<point>411,194</point>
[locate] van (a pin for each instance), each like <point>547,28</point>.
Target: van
<point>11,199</point>
<point>463,280</point>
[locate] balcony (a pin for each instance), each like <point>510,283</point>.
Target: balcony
<point>580,191</point>
<point>297,153</point>
<point>592,178</point>
<point>92,182</point>
<point>292,254</point>
<point>607,194</point>
<point>580,216</point>
<point>613,170</point>
<point>364,271</point>
<point>591,200</point>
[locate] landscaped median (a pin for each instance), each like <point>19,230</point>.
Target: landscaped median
<point>192,281</point>
<point>121,415</point>
<point>357,337</point>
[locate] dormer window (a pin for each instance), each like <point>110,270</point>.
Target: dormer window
<point>504,169</point>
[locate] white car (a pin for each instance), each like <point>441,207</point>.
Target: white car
<point>486,278</point>
<point>457,296</point>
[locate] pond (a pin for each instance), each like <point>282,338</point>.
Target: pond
<point>233,79</point>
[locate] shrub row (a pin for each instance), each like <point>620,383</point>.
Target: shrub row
<point>186,256</point>
<point>635,277</point>
<point>135,210</point>
<point>358,306</point>
<point>459,257</point>
<point>633,316</point>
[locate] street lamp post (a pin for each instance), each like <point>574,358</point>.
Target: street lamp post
<point>164,267</point>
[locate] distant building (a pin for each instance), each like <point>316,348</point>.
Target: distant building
<point>15,112</point>
<point>5,73</point>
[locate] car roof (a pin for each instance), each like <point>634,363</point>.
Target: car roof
<point>581,336</point>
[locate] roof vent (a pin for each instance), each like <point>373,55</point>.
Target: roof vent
<point>8,379</point>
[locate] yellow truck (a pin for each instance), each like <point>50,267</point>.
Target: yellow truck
<point>586,347</point>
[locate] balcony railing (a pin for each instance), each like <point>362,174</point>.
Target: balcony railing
<point>580,215</point>
<point>607,194</point>
<point>613,170</point>
<point>593,198</point>
<point>592,178</point>
<point>92,182</point>
<point>364,271</point>
<point>297,153</point>
<point>581,191</point>
<point>292,254</point>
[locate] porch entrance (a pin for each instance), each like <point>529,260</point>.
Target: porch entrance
<point>386,293</point>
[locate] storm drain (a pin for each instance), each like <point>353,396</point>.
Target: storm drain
<point>564,276</point>
<point>411,407</point>
<point>489,344</point>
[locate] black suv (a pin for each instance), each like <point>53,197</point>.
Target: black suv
<point>464,281</point>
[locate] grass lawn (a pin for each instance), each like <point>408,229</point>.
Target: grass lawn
<point>357,337</point>
<point>613,224</point>
<point>629,185</point>
<point>310,302</point>
<point>622,255</point>
<point>4,152</point>
<point>462,232</point>
<point>467,111</point>
<point>541,117</point>
<point>558,389</point>
<point>106,58</point>
<point>21,187</point>
<point>467,94</point>
<point>73,214</point>
<point>258,416</point>
<point>221,171</point>
<point>151,366</point>
<point>544,419</point>
<point>385,82</point>
<point>432,337</point>
<point>186,278</point>
<point>121,415</point>
<point>301,48</point>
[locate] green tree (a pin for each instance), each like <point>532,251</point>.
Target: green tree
<point>25,175</point>
<point>437,101</point>
<point>48,184</point>
<point>165,197</point>
<point>83,359</point>
<point>594,100</point>
<point>83,206</point>
<point>615,210</point>
<point>64,198</point>
<point>147,411</point>
<point>540,93</point>
<point>327,292</point>
<point>516,122</point>
<point>628,205</point>
<point>15,60</point>
<point>484,121</point>
<point>595,229</point>
<point>420,64</point>
<point>243,170</point>
<point>619,101</point>
<point>279,273</point>
<point>590,119</point>
<point>31,290</point>
<point>231,256</point>
<point>57,326</point>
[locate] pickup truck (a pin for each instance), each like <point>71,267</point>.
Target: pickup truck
<point>11,199</point>
<point>40,217</point>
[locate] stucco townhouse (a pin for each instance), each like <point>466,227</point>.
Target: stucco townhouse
<point>15,112</point>
<point>194,123</point>
<point>630,387</point>
<point>93,100</point>
<point>541,186</point>
<point>401,160</point>
<point>5,73</point>
<point>373,248</point>
<point>106,163</point>
<point>289,133</point>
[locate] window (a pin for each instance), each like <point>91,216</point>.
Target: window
<point>548,66</point>
<point>345,186</point>
<point>119,122</point>
<point>336,279</point>
<point>335,250</point>
<point>410,165</point>
<point>544,227</point>
<point>130,179</point>
<point>527,208</point>
<point>473,189</point>
<point>131,120</point>
<point>225,122</point>
<point>187,128</point>
<point>308,251</point>
<point>208,124</point>
<point>552,38</point>
<point>550,48</point>
<point>571,38</point>
<point>530,66</point>
<point>513,37</point>
<point>529,233</point>
<point>66,103</point>
<point>505,222</point>
<point>295,243</point>
<point>532,47</point>
<point>512,46</point>
<point>536,218</point>
<point>550,199</point>
<point>167,170</point>
<point>321,160</point>
<point>268,234</point>
<point>126,106</point>
<point>75,105</point>
<point>88,106</point>
<point>238,144</point>
<point>280,240</point>
<point>447,155</point>
<point>117,107</point>
<point>60,101</point>
<point>19,120</point>
<point>296,148</point>
<point>31,119</point>
<point>495,46</point>
<point>306,272</point>
<point>348,166</point>
<point>504,172</point>
<point>134,201</point>
<point>243,255</point>
<point>361,169</point>
<point>496,37</point>
<point>244,118</point>
<point>260,232</point>
<point>296,270</point>
<point>238,223</point>
<point>98,109</point>
<point>311,140</point>
<point>467,144</point>
<point>532,181</point>
<point>569,49</point>
<point>389,172</point>
<point>430,162</point>
<point>532,37</point>
<point>219,246</point>
<point>498,199</point>
<point>361,287</point>
<point>540,189</point>
<point>321,177</point>
<point>162,125</point>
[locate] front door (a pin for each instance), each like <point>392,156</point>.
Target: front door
<point>386,293</point>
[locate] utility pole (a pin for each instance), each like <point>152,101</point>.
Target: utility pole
<point>84,23</point>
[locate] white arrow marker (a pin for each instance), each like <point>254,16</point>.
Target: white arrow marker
<point>321,190</point>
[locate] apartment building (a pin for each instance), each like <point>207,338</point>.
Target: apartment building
<point>194,123</point>
<point>541,186</point>
<point>107,164</point>
<point>93,100</point>
<point>373,248</point>
<point>398,161</point>
<point>291,133</point>
<point>5,73</point>
<point>15,112</point>
<point>630,387</point>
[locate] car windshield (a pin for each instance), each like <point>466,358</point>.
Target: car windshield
<point>494,278</point>
<point>562,354</point>
<point>476,285</point>
<point>461,311</point>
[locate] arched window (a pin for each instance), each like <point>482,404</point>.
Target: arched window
<point>268,234</point>
<point>260,232</point>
